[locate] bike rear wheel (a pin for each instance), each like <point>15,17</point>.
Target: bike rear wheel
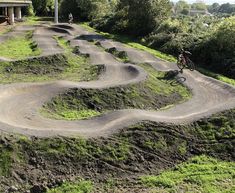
<point>190,65</point>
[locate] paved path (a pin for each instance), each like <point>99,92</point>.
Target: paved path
<point>19,103</point>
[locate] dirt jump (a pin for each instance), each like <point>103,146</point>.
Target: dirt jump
<point>20,102</point>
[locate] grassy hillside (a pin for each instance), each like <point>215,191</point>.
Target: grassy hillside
<point>146,156</point>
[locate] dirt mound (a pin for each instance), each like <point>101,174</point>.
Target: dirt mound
<point>39,65</point>
<point>146,148</point>
<point>82,102</point>
<point>69,27</point>
<point>90,37</point>
<point>59,30</point>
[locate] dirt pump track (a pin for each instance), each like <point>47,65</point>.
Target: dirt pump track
<point>20,102</point>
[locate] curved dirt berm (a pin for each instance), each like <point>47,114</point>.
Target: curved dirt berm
<point>19,103</point>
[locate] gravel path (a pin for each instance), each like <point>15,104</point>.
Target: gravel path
<point>19,103</point>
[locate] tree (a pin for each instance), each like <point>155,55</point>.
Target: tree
<point>43,7</point>
<point>214,8</point>
<point>69,6</point>
<point>139,17</point>
<point>182,7</point>
<point>87,10</point>
<point>199,6</point>
<point>226,8</point>
<point>218,52</point>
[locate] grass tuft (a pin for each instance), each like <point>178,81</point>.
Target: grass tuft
<point>81,186</point>
<point>19,47</point>
<point>200,174</point>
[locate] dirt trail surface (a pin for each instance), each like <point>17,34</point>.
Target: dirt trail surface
<point>20,103</point>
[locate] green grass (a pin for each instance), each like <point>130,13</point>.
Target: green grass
<point>162,83</point>
<point>120,55</point>
<point>70,114</point>
<point>5,161</point>
<point>80,149</point>
<point>117,152</point>
<point>153,94</point>
<point>81,186</point>
<point>217,76</point>
<point>9,154</point>
<point>19,47</point>
<point>34,20</point>
<point>67,66</point>
<point>200,174</point>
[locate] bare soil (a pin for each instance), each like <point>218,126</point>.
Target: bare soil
<point>146,148</point>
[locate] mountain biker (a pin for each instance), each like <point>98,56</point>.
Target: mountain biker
<point>185,54</point>
<point>70,18</point>
<point>184,61</point>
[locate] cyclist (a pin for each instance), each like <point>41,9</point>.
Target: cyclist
<point>185,55</point>
<point>70,18</point>
<point>184,61</point>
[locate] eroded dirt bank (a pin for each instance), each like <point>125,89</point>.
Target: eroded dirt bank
<point>143,149</point>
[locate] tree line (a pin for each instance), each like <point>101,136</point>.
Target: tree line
<point>211,39</point>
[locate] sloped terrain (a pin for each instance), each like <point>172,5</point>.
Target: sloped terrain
<point>122,146</point>
<point>124,158</point>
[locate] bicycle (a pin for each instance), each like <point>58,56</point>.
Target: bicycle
<point>184,61</point>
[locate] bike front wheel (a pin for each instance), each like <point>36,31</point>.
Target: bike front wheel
<point>180,65</point>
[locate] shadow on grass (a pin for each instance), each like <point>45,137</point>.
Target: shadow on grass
<point>174,77</point>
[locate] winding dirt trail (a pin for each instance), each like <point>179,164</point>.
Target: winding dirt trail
<point>19,103</point>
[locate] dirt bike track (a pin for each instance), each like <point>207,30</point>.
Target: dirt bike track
<point>20,102</point>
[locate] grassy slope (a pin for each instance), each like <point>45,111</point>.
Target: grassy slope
<point>199,174</point>
<point>65,66</point>
<point>135,44</point>
<point>143,149</point>
<point>19,47</point>
<point>157,92</point>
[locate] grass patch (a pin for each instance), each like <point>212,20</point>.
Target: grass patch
<point>153,94</point>
<point>34,20</point>
<point>217,76</point>
<point>132,152</point>
<point>199,174</point>
<point>9,154</point>
<point>81,186</point>
<point>72,114</point>
<point>67,66</point>
<point>20,47</point>
<point>5,161</point>
<point>120,55</point>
